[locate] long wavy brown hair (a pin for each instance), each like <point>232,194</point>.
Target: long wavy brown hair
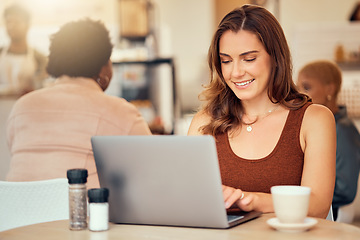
<point>221,104</point>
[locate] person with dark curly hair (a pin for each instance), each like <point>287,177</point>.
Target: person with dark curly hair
<point>22,67</point>
<point>267,133</point>
<point>50,129</point>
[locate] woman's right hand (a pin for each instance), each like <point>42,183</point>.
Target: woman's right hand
<point>232,196</point>
<point>247,201</point>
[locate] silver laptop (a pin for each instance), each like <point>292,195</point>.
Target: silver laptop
<point>163,180</point>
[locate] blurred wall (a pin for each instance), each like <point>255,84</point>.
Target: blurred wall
<point>48,15</point>
<point>298,15</point>
<point>185,30</point>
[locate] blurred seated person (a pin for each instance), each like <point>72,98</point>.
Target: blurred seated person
<point>355,14</point>
<point>22,68</point>
<point>321,80</point>
<point>49,130</point>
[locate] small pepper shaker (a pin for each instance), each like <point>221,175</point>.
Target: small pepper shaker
<point>77,179</point>
<point>99,209</point>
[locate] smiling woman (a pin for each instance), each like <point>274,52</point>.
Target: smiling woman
<point>267,132</point>
<point>245,54</point>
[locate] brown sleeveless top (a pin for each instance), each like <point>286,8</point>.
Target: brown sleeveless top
<point>283,166</point>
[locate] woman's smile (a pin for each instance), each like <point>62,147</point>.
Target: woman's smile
<point>243,60</point>
<point>244,84</point>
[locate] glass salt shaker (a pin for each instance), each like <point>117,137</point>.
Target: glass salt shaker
<point>77,179</point>
<point>99,209</point>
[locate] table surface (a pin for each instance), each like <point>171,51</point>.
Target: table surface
<point>254,229</point>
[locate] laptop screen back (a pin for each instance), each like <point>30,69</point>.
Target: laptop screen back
<point>161,180</point>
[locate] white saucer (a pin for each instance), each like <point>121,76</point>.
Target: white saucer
<point>292,227</point>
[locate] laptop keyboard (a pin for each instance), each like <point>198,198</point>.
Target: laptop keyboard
<point>232,218</point>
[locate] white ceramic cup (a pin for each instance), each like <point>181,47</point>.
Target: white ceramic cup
<point>291,203</point>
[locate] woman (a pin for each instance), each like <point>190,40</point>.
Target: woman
<point>267,133</point>
<point>321,80</point>
<point>49,130</point>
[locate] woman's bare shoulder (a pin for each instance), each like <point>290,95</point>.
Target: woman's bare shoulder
<point>200,119</point>
<point>317,115</point>
<point>318,111</point>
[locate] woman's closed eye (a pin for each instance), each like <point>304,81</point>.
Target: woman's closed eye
<point>249,59</point>
<point>224,61</point>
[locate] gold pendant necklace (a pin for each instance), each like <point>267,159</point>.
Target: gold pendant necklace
<point>249,126</point>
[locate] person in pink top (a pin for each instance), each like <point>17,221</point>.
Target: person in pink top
<point>49,130</point>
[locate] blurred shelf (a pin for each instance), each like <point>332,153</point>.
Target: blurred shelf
<point>147,62</point>
<point>156,61</point>
<point>349,66</point>
<point>153,63</point>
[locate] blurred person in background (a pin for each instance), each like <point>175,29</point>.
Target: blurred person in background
<point>22,68</point>
<point>321,80</point>
<point>49,130</point>
<point>355,14</point>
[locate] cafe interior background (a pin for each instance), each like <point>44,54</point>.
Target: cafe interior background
<point>160,49</point>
